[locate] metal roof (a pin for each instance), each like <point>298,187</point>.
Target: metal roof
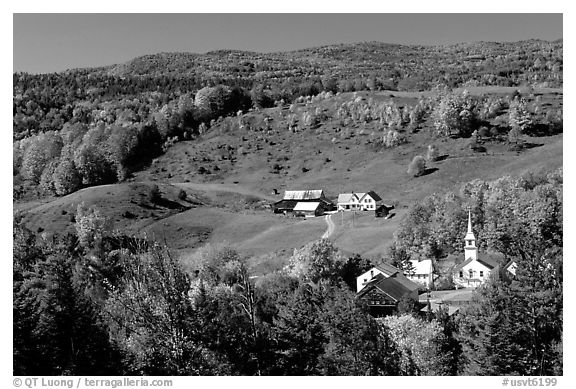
<point>303,194</point>
<point>306,206</point>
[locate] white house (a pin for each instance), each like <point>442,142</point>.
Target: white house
<point>421,273</point>
<point>473,271</point>
<point>365,278</point>
<point>369,201</point>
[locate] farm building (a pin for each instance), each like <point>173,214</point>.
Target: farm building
<point>385,290</point>
<point>383,210</point>
<point>293,197</point>
<point>452,300</point>
<point>309,209</point>
<point>369,201</point>
<point>284,206</point>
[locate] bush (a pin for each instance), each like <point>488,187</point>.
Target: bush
<point>417,167</point>
<point>154,194</point>
<point>182,195</point>
<point>484,132</point>
<point>432,154</point>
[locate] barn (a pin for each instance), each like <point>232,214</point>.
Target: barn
<point>293,197</point>
<point>309,209</point>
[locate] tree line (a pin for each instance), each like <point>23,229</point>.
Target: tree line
<point>97,302</point>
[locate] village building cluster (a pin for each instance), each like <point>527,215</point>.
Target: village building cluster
<point>383,287</point>
<point>312,203</point>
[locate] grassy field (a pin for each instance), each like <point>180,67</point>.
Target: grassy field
<point>250,169</point>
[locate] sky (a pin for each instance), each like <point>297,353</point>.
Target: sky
<point>45,43</point>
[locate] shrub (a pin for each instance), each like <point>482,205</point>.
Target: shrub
<point>484,132</point>
<point>520,118</point>
<point>182,195</point>
<point>432,154</point>
<point>454,113</point>
<point>417,167</point>
<point>154,194</point>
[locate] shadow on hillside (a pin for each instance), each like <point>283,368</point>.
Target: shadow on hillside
<point>441,158</point>
<point>429,171</point>
<point>165,203</point>
<point>529,145</point>
<point>543,129</point>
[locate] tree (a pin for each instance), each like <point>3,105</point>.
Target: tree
<point>93,158</point>
<point>354,267</point>
<point>355,343</point>
<point>520,118</point>
<point>47,178</point>
<point>317,261</point>
<point>57,328</point>
<point>432,154</point>
<point>91,226</point>
<point>154,194</point>
<point>299,333</point>
<point>454,113</point>
<point>417,167</point>
<point>39,152</point>
<point>261,97</point>
<point>419,345</point>
<point>151,315</point>
<point>123,146</point>
<point>514,328</point>
<point>66,177</point>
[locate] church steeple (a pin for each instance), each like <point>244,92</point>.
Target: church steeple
<point>470,249</point>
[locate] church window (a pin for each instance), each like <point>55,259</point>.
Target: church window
<point>461,274</point>
<point>471,273</point>
<point>481,273</point>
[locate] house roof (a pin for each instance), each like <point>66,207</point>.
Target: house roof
<point>373,195</point>
<point>422,267</point>
<point>388,285</point>
<point>306,206</point>
<point>511,266</point>
<point>345,197</point>
<point>303,194</point>
<point>387,269</point>
<point>486,262</point>
<point>435,307</point>
<point>287,204</point>
<point>401,278</point>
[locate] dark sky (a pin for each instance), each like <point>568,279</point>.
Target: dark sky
<point>54,42</point>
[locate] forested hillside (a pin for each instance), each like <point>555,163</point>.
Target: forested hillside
<point>144,242</point>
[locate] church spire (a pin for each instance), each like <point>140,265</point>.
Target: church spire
<point>470,249</point>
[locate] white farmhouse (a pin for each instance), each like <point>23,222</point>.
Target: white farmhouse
<point>365,278</point>
<point>421,272</point>
<point>369,201</point>
<point>473,271</point>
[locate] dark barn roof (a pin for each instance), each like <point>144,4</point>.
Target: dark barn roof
<point>285,204</point>
<point>391,286</point>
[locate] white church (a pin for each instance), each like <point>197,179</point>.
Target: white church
<point>474,271</point>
